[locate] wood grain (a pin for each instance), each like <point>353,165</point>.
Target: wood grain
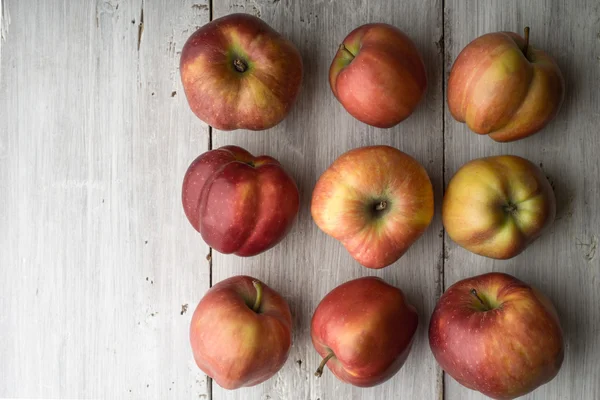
<point>308,264</point>
<point>564,263</point>
<point>97,259</point>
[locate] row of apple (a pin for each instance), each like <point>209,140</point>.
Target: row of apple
<point>239,73</point>
<point>376,200</point>
<point>491,333</point>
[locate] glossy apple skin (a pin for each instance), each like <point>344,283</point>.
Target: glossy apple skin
<point>239,203</point>
<point>345,196</point>
<point>499,91</point>
<point>477,212</point>
<point>227,99</point>
<point>378,75</point>
<point>369,326</point>
<point>233,344</point>
<point>506,352</point>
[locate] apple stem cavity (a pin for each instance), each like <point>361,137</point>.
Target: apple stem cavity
<point>319,371</point>
<point>239,65</point>
<point>344,49</point>
<point>511,208</point>
<point>526,41</point>
<point>259,293</point>
<point>474,293</point>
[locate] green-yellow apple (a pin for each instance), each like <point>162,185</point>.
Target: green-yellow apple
<point>378,75</point>
<point>502,86</point>
<point>376,200</point>
<point>498,335</point>
<point>238,73</point>
<point>496,206</point>
<point>364,329</point>
<point>239,203</point>
<point>241,332</point>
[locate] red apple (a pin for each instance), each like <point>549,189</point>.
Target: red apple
<point>241,332</point>
<point>502,86</point>
<point>376,200</point>
<point>378,75</point>
<point>497,206</point>
<point>498,335</point>
<point>239,203</point>
<point>364,329</point>
<point>238,73</point>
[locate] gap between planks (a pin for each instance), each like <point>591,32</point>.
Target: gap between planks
<point>209,380</point>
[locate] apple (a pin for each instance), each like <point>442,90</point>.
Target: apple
<point>239,203</point>
<point>241,332</point>
<point>497,335</point>
<point>364,330</point>
<point>239,73</point>
<point>497,206</point>
<point>503,87</point>
<point>376,200</point>
<point>378,75</point>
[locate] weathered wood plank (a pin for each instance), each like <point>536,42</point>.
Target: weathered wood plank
<point>564,263</point>
<point>96,256</point>
<point>308,264</point>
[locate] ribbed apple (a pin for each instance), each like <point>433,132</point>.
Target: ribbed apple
<point>376,200</point>
<point>364,330</point>
<point>502,86</point>
<point>239,73</point>
<point>378,75</point>
<point>496,334</point>
<point>497,206</point>
<point>241,332</point>
<point>239,203</point>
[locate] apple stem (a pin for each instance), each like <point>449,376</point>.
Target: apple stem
<point>240,65</point>
<point>322,365</point>
<point>345,50</point>
<point>259,293</point>
<point>474,293</point>
<point>526,41</point>
<point>382,205</point>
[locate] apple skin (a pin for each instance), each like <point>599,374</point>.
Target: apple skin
<point>232,343</point>
<point>501,92</point>
<point>378,75</point>
<point>224,96</point>
<point>239,203</point>
<point>497,206</point>
<point>369,326</point>
<point>347,196</point>
<point>505,352</point>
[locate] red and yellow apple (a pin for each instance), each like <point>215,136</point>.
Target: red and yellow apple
<point>364,329</point>
<point>238,73</point>
<point>241,332</point>
<point>503,87</point>
<point>497,335</point>
<point>378,75</point>
<point>239,203</point>
<point>497,206</point>
<point>376,200</point>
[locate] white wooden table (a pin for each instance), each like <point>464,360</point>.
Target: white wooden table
<point>98,264</point>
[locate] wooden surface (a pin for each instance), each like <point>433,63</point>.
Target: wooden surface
<point>97,260</point>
